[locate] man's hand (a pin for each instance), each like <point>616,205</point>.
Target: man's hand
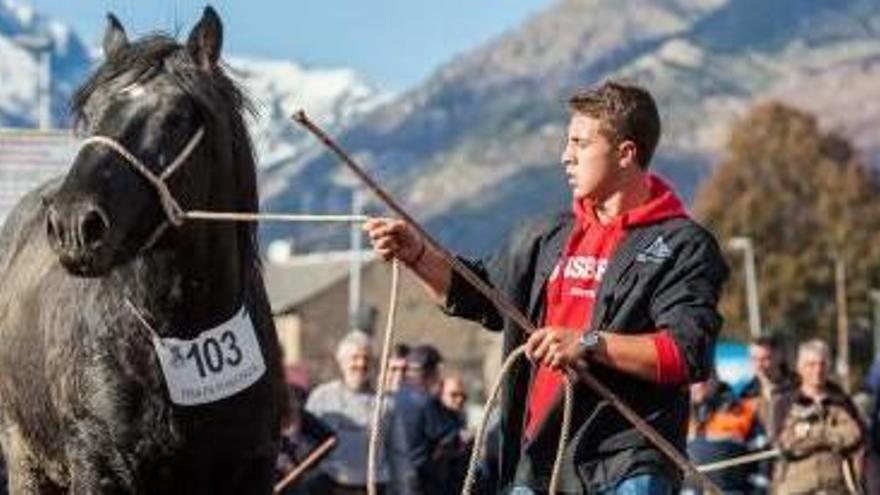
<point>395,239</point>
<point>556,347</point>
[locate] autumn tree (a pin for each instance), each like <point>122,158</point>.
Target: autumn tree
<point>805,198</point>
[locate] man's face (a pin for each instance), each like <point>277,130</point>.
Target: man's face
<point>700,391</point>
<point>396,370</point>
<point>590,160</point>
<point>763,360</point>
<point>813,369</point>
<point>356,368</point>
<point>454,395</point>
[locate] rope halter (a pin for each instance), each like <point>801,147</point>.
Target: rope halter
<point>173,211</point>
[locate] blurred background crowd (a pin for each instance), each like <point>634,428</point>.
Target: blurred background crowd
<point>789,428</point>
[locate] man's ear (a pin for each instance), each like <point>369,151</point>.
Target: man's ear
<point>206,40</point>
<point>628,153</point>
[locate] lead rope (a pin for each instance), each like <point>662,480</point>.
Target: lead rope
<point>376,433</point>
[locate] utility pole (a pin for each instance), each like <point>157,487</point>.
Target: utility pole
<point>842,321</point>
<point>745,245</point>
<point>42,46</point>
<point>358,199</point>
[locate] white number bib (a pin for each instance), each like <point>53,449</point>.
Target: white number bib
<point>220,362</point>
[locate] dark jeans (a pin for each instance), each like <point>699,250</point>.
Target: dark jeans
<point>642,484</point>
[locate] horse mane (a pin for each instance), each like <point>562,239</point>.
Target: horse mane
<point>220,99</point>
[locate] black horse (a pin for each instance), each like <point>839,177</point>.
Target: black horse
<point>135,358</point>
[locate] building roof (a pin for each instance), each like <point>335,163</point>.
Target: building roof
<point>301,277</point>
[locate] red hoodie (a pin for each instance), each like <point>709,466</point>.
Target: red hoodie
<point>572,286</point>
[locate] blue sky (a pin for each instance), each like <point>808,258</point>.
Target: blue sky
<point>394,43</point>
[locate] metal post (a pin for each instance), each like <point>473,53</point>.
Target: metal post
<point>354,276</point>
<point>842,321</point>
<point>747,247</point>
<point>42,46</point>
<point>45,87</point>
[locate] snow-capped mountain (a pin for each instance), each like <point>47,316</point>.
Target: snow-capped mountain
<point>333,97</point>
<point>21,28</point>
<point>475,148</point>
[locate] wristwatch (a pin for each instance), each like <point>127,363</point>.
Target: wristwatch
<point>590,342</point>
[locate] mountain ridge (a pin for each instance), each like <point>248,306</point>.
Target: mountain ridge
<point>494,117</point>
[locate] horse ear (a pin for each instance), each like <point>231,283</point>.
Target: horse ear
<point>206,39</point>
<point>114,37</point>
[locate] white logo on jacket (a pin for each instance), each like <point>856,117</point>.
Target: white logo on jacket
<point>580,268</point>
<point>657,252</point>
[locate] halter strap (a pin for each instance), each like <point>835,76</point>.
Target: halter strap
<point>171,207</point>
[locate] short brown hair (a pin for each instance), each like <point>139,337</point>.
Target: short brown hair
<point>769,341</point>
<point>625,113</point>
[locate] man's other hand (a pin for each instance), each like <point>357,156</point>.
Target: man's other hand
<point>556,347</point>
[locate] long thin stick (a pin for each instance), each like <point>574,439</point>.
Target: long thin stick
<point>297,471</point>
<point>739,461</point>
<point>506,307</point>
<point>501,302</point>
<point>647,430</point>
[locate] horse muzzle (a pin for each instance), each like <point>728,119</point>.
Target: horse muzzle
<point>78,234</point>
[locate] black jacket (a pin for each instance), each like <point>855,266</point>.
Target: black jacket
<point>643,289</point>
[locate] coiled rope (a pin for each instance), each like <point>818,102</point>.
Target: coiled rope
<point>492,402</point>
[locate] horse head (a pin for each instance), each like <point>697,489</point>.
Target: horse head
<point>163,132</point>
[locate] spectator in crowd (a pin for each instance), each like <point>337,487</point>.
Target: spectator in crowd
<point>302,433</point>
<point>396,367</point>
<point>346,406</point>
<point>772,378</point>
<point>820,432</point>
<point>721,427</point>
<point>428,424</point>
<point>456,447</point>
<point>453,395</point>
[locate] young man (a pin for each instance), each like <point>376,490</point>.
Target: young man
<point>772,378</point>
<point>625,283</point>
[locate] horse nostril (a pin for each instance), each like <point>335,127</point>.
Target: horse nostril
<point>54,228</point>
<point>92,227</point>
